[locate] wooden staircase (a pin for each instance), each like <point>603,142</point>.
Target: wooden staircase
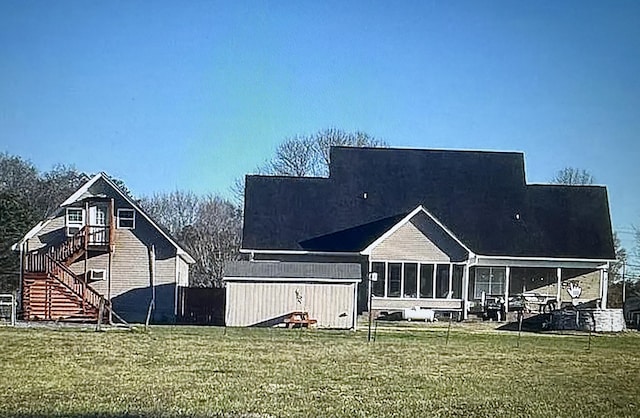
<point>51,291</point>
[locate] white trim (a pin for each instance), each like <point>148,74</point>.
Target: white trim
<point>558,284</point>
<point>91,272</point>
<point>508,257</point>
<point>417,299</point>
<point>354,314</point>
<point>176,278</point>
<point>297,252</point>
<point>289,279</point>
<point>403,221</point>
<point>82,190</point>
<point>133,218</point>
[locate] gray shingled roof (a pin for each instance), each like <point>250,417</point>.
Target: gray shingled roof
<point>264,269</point>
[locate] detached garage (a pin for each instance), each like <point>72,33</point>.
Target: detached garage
<point>267,293</point>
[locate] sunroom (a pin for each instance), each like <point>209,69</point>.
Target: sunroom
<point>417,264</point>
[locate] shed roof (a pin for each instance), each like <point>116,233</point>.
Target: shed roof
<point>480,196</point>
<point>293,270</point>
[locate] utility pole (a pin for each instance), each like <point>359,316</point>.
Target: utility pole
<point>372,277</point>
<point>624,283</point>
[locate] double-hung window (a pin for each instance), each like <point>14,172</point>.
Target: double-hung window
<point>74,220</point>
<point>126,219</point>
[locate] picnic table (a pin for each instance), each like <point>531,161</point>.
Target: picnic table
<point>299,318</point>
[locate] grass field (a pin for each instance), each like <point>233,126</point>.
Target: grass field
<point>412,372</point>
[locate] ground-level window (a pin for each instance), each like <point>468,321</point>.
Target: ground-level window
<point>410,280</point>
<point>377,287</point>
<point>417,280</point>
<point>126,218</point>
<point>456,281</point>
<point>426,280</point>
<point>442,281</point>
<point>490,280</point>
<point>395,278</point>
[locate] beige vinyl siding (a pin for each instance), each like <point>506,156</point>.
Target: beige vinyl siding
<point>253,303</point>
<point>131,278</point>
<point>53,232</point>
<point>392,304</point>
<point>182,271</point>
<point>408,243</point>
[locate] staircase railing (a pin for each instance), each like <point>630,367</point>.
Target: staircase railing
<point>45,263</point>
<point>71,246</point>
<point>67,277</point>
<point>88,235</point>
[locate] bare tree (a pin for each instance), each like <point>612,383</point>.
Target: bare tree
<point>306,156</point>
<point>327,138</point>
<point>174,211</point>
<point>213,240</point>
<point>573,176</point>
<point>208,227</point>
<point>296,157</point>
<point>310,155</point>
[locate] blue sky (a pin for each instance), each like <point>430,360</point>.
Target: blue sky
<point>191,95</point>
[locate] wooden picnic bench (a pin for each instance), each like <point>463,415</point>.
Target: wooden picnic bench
<point>299,318</point>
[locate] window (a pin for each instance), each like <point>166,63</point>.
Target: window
<point>490,280</point>
<point>426,280</point>
<point>126,218</point>
<point>417,281</point>
<point>74,220</point>
<point>395,278</point>
<point>442,281</point>
<point>96,275</point>
<point>410,280</point>
<point>75,216</point>
<point>456,282</point>
<point>378,287</point>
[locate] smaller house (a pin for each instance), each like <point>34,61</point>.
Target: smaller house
<point>100,251</point>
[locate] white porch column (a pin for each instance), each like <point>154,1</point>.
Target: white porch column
<point>604,285</point>
<point>559,281</point>
<point>465,291</point>
<point>506,288</point>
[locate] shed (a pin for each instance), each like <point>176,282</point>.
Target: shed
<point>266,293</point>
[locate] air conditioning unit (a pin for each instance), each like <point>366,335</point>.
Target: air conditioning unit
<point>95,275</point>
<point>72,230</point>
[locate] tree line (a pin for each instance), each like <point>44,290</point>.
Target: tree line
<point>209,227</point>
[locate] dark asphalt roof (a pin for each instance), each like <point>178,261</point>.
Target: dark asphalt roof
<point>481,197</point>
<point>262,269</point>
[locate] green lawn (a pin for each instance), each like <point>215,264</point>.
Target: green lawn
<point>412,372</point>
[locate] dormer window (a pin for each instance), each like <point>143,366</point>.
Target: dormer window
<point>74,220</point>
<point>126,219</point>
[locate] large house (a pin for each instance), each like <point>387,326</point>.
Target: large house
<point>444,230</point>
<point>99,251</point>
